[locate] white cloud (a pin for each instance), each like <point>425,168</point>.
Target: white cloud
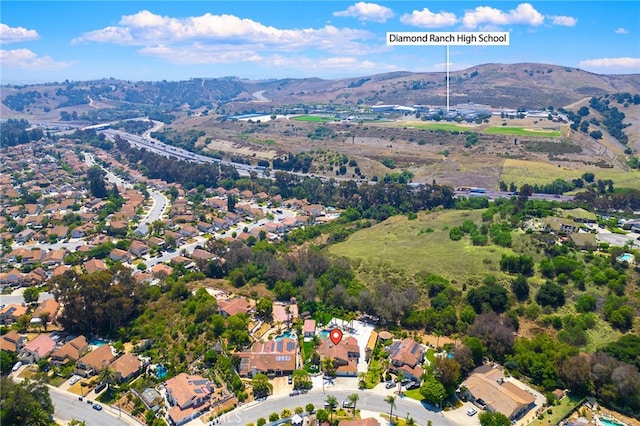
<point>367,12</point>
<point>621,31</point>
<point>428,19</point>
<point>224,38</point>
<point>16,34</point>
<point>336,65</point>
<point>624,64</point>
<point>524,14</point>
<point>565,21</point>
<point>25,59</point>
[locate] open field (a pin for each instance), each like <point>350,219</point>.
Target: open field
<point>398,242</point>
<point>538,172</point>
<point>313,119</point>
<point>442,126</point>
<point>521,131</point>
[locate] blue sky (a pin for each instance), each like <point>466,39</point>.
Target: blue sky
<point>50,41</point>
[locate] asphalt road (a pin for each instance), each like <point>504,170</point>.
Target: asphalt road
<point>68,407</point>
<point>368,401</point>
<point>160,202</point>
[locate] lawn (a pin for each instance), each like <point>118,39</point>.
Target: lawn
<point>398,242</point>
<point>313,118</point>
<point>558,412</point>
<point>538,172</point>
<point>521,131</point>
<point>414,394</point>
<point>448,127</point>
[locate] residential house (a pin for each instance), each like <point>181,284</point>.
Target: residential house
<point>314,210</point>
<point>231,307</point>
<point>94,265</point>
<point>37,349</point>
<point>201,255</point>
<point>95,361</point>
<point>10,313</point>
<point>13,278</point>
<point>49,305</point>
<point>189,231</point>
<point>206,227</point>
<point>309,328</point>
<point>161,270</point>
<point>12,341</point>
<point>285,313</point>
<point>54,257</point>
<point>138,248</point>
<point>188,396</point>
<point>60,231</point>
<point>273,358</point>
<point>407,356</point>
<point>119,255</point>
<point>560,225</point>
<point>25,235</point>
<point>126,367</point>
<point>345,355</point>
<point>73,350</point>
<point>487,388</point>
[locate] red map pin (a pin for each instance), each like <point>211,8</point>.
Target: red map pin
<point>335,335</point>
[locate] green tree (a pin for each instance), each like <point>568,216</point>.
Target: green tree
<point>331,403</point>
<point>322,416</point>
<point>264,309</point>
<point>391,400</point>
<point>23,403</point>
<point>273,416</point>
<point>30,295</point>
<point>488,418</point>
<point>107,376</point>
<point>260,386</point>
<point>301,380</point>
<point>353,399</point>
<point>309,407</point>
<point>433,391</point>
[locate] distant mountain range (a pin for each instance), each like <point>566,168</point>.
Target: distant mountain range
<point>533,86</point>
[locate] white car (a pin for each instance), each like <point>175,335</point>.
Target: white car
<point>471,412</point>
<point>74,380</point>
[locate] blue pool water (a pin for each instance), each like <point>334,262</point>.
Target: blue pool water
<point>627,257</point>
<point>98,342</point>
<point>286,335</point>
<point>161,372</point>
<point>323,334</point>
<point>609,422</point>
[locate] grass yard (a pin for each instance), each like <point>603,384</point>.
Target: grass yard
<point>313,119</point>
<point>399,243</point>
<point>558,412</point>
<point>538,172</point>
<point>414,394</point>
<point>521,131</point>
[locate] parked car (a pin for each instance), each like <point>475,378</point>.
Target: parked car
<point>413,385</point>
<point>100,387</point>
<point>97,407</point>
<point>74,380</point>
<point>471,412</point>
<point>389,385</point>
<point>290,379</point>
<point>347,404</point>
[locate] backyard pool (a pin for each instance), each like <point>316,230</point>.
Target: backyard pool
<point>627,257</point>
<point>286,335</point>
<point>323,334</point>
<point>607,421</point>
<point>98,342</point>
<point>161,372</point>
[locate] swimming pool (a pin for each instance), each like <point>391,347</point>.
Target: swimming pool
<point>286,335</point>
<point>627,257</point>
<point>323,334</point>
<point>610,422</point>
<point>98,342</point>
<point>161,372</point>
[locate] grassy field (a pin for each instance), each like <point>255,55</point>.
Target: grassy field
<point>558,412</point>
<point>313,118</point>
<point>537,172</point>
<point>442,126</point>
<point>521,131</point>
<point>399,243</point>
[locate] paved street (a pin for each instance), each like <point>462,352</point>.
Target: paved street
<point>369,400</point>
<point>68,407</point>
